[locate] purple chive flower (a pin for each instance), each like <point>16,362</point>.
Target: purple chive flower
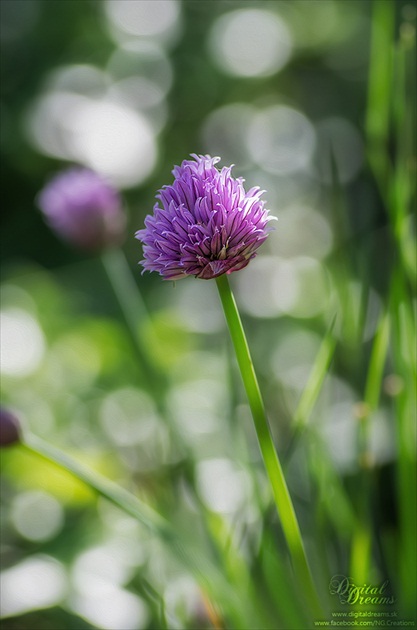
<point>81,207</point>
<point>208,224</point>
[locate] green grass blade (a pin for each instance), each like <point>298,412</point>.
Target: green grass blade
<point>402,191</point>
<point>405,365</point>
<point>360,561</point>
<point>377,363</point>
<point>380,89</point>
<point>313,387</point>
<point>104,487</point>
<point>205,572</point>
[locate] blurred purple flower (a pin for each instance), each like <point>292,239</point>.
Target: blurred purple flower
<point>9,428</point>
<point>81,207</point>
<point>208,224</point>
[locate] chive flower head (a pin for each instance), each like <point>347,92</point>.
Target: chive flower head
<point>205,223</point>
<point>84,209</point>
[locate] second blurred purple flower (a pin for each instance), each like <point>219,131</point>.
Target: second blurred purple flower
<point>84,209</point>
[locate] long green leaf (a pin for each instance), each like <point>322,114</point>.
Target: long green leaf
<point>207,575</point>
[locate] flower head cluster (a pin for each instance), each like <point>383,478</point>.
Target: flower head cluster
<point>83,208</point>
<point>208,224</point>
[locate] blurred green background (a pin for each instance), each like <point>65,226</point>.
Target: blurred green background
<point>313,101</point>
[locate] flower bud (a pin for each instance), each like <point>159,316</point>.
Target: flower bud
<point>82,208</point>
<point>9,428</point>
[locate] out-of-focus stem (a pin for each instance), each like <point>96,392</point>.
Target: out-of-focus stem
<point>209,578</point>
<point>134,310</point>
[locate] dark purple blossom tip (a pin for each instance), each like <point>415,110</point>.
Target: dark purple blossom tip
<point>84,209</point>
<point>205,223</point>
<point>9,428</point>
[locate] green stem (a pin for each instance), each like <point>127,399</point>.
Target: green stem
<point>104,487</point>
<point>380,91</point>
<point>281,494</point>
<point>134,311</point>
<point>208,576</point>
<point>124,287</point>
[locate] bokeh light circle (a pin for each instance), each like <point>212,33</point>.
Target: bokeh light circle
<point>250,43</point>
<point>143,19</point>
<point>37,515</point>
<point>224,133</point>
<point>271,286</point>
<point>111,138</point>
<point>114,140</point>
<point>281,140</point>
<point>22,343</point>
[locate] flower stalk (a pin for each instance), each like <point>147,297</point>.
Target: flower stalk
<point>273,467</point>
<point>210,226</point>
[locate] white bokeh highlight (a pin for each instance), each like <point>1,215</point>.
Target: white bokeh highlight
<point>272,286</point>
<point>301,231</point>
<point>22,345</point>
<point>98,576</point>
<point>109,137</point>
<point>128,417</point>
<point>250,43</point>
<point>223,487</point>
<point>37,515</point>
<point>281,140</point>
<point>149,19</point>
<point>142,59</point>
<point>115,608</point>
<point>197,307</point>
<point>35,583</point>
<point>113,139</point>
<point>224,133</point>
